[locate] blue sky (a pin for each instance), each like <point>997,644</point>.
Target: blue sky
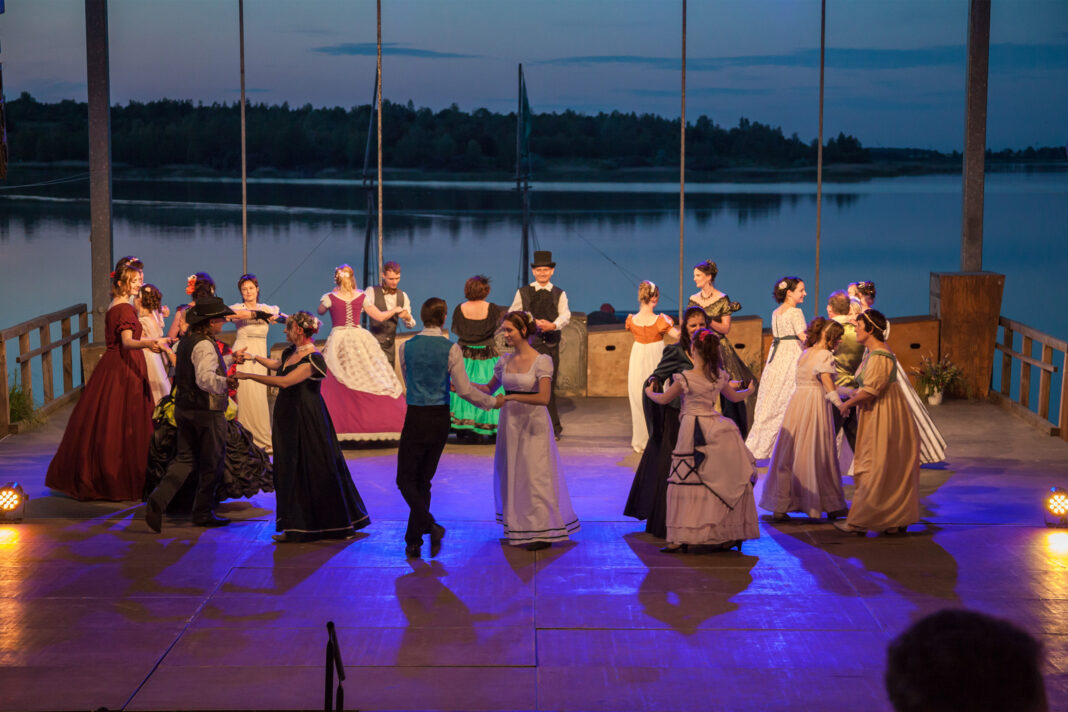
<point>894,76</point>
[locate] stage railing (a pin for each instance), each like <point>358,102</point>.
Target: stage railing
<point>1021,402</point>
<point>43,326</point>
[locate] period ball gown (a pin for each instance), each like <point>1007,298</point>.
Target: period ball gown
<point>105,446</point>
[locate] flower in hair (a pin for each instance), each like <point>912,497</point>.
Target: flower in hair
<point>190,283</point>
<point>112,275</point>
<point>782,284</point>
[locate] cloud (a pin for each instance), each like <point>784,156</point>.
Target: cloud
<point>365,49</point>
<point>1003,57</point>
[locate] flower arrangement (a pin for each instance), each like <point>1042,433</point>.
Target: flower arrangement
<point>935,376</point>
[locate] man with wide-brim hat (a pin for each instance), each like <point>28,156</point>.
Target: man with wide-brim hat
<point>547,303</point>
<point>200,400</point>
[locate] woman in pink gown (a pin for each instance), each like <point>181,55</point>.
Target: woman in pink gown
<point>361,390</point>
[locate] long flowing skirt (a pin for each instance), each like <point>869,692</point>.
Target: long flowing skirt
<point>361,390</point>
<point>803,475</point>
<point>648,492</point>
<point>709,466</point>
<point>777,384</point>
<point>644,359</point>
<point>253,411</point>
<point>932,444</point>
<point>467,416</point>
<point>531,495</point>
<point>158,381</point>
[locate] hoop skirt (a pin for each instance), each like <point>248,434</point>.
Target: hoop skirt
<point>531,496</point>
<point>710,490</point>
<point>105,446</point>
<point>316,498</point>
<point>777,382</point>
<point>361,390</point>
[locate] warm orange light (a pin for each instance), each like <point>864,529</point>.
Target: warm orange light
<point>9,500</point>
<point>1057,507</point>
<point>1057,543</point>
<point>12,502</point>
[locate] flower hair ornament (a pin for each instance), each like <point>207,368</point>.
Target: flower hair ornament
<point>306,321</point>
<point>781,285</point>
<point>190,283</point>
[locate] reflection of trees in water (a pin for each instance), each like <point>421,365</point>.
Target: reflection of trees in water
<point>180,208</point>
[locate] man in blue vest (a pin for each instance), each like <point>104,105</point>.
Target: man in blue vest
<point>548,305</point>
<point>429,362</point>
<point>200,400</point>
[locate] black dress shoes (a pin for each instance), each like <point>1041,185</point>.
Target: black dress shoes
<point>153,516</point>
<point>437,533</point>
<point>211,521</point>
<point>412,552</point>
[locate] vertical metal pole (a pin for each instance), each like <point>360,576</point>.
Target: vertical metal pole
<point>819,155</point>
<point>971,238</point>
<point>100,237</point>
<point>682,166</point>
<point>244,165</point>
<point>520,183</point>
<point>380,217</point>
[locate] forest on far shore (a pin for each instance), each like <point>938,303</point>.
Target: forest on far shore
<point>305,139</point>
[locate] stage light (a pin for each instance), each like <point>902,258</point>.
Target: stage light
<point>1056,513</point>
<point>12,502</point>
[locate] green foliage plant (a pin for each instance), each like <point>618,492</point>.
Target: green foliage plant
<point>937,375</point>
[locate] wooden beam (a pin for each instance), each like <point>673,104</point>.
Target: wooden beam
<point>99,84</point>
<point>971,238</point>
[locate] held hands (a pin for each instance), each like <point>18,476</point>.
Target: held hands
<point>240,355</point>
<point>231,381</point>
<point>545,325</point>
<point>501,398</point>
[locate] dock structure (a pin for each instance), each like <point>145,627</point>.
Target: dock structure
<point>99,611</point>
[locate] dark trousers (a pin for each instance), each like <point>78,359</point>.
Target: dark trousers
<point>201,450</point>
<point>426,428</point>
<point>554,353</point>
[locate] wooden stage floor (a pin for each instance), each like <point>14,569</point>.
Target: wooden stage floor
<point>97,611</point>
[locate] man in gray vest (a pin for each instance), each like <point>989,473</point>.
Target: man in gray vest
<point>385,296</point>
<point>200,400</point>
<point>548,305</point>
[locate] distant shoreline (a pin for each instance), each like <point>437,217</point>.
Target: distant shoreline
<point>835,173</point>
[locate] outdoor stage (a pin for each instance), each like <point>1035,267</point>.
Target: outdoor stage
<point>95,610</point>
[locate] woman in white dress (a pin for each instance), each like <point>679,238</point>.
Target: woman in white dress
<point>648,329</point>
<point>252,409</point>
<point>710,490</point>
<point>150,314</point>
<point>803,475</point>
<point>361,390</point>
<point>777,381</point>
<point>932,444</point>
<point>530,492</point>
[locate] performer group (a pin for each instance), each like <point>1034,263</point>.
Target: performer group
<point>176,418</point>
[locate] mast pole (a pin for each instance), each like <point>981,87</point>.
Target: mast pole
<point>244,164</point>
<point>819,154</point>
<point>379,137</point>
<point>682,164</point>
<point>520,183</point>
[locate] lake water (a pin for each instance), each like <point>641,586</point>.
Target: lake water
<point>605,237</point>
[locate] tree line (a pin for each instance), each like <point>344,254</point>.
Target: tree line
<point>172,132</point>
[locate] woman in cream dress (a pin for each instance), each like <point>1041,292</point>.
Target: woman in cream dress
<point>648,329</point>
<point>150,314</point>
<point>252,409</point>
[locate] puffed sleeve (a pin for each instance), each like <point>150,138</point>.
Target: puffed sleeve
<point>318,364</point>
<point>325,300</point>
<point>628,323</point>
<point>680,378</point>
<point>824,364</point>
<point>797,320</point>
<point>877,374</point>
<point>498,368</point>
<point>543,367</point>
<point>126,320</point>
<point>664,324</point>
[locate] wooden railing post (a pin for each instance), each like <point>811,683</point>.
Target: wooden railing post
<point>1044,382</point>
<point>44,334</point>
<point>1025,373</point>
<point>1006,362</point>
<point>27,375</point>
<point>5,401</point>
<point>83,325</point>
<point>1062,420</point>
<point>68,359</point>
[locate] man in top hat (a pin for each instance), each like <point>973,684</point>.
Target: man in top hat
<point>386,296</point>
<point>200,400</point>
<point>548,305</point>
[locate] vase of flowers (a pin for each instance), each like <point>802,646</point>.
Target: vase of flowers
<point>934,376</point>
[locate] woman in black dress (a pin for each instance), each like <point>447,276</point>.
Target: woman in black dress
<point>475,323</point>
<point>648,492</point>
<point>316,498</point>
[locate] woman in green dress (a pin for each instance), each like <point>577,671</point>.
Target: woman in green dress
<point>719,308</point>
<point>475,323</point>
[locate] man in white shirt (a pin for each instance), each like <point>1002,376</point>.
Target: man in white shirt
<point>386,296</point>
<point>200,400</point>
<point>548,305</point>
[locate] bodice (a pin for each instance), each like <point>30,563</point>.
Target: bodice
<point>789,323</point>
<point>248,329</point>
<point>700,396</point>
<point>526,382</point>
<point>119,318</point>
<point>811,364</point>
<point>345,313</point>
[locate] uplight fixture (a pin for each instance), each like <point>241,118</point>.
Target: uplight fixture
<point>1056,513</point>
<point>12,502</point>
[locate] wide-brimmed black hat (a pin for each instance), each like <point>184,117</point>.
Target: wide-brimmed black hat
<point>543,258</point>
<point>206,309</point>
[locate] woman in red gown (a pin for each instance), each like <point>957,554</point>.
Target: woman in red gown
<point>104,449</point>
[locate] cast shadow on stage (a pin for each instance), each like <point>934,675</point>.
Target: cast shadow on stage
<point>689,589</point>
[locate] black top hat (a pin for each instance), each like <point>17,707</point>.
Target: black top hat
<point>206,309</point>
<point>543,258</point>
